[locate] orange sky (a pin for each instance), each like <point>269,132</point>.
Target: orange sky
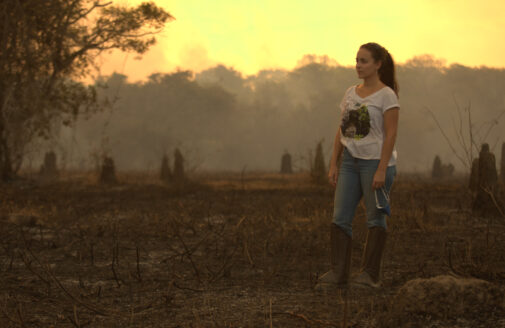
<point>254,35</point>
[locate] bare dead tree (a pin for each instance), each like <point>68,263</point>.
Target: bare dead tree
<point>467,140</point>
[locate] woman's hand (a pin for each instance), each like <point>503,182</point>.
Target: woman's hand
<point>379,179</point>
<point>333,175</point>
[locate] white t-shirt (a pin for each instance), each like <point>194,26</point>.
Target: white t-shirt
<point>362,128</point>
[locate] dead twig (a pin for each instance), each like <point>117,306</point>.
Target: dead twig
<point>28,266</point>
<point>493,198</point>
<point>19,311</point>
<point>139,276</point>
<point>246,250</point>
<point>187,288</point>
<point>188,254</point>
<point>454,151</point>
<point>115,252</point>
<point>8,317</point>
<point>226,265</point>
<point>271,323</point>
<point>76,319</point>
<point>449,249</point>
<point>308,320</point>
<point>49,272</point>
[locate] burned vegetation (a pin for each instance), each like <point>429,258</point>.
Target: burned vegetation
<point>239,250</point>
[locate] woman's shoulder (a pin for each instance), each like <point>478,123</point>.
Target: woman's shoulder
<point>387,88</point>
<point>389,92</point>
<point>349,89</point>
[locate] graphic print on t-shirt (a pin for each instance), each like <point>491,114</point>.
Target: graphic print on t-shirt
<point>356,121</point>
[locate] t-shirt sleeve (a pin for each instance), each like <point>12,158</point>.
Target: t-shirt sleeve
<point>342,104</point>
<point>390,100</point>
<point>344,100</point>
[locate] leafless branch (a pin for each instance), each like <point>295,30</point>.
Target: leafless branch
<point>461,137</point>
<point>447,138</point>
<point>495,202</point>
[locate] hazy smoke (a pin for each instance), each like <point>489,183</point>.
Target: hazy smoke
<point>224,120</point>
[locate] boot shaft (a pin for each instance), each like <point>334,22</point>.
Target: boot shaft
<point>341,247</point>
<point>374,250</point>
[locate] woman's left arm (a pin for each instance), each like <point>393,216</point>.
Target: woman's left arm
<point>390,130</point>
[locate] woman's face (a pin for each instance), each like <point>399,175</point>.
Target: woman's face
<point>365,64</point>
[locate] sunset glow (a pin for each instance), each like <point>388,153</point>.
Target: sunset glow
<point>261,34</point>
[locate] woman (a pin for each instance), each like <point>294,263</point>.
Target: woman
<point>364,145</point>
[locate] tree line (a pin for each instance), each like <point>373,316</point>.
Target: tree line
<point>231,121</point>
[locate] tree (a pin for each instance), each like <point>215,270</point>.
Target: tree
<point>45,46</point>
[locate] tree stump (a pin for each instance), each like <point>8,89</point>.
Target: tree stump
<point>165,173</point>
<point>49,169</point>
<point>441,171</point>
<point>178,174</point>
<point>447,170</point>
<point>108,174</point>
<point>318,170</point>
<point>486,197</point>
<point>436,170</point>
<point>286,167</point>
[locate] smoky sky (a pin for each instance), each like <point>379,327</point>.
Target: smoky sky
<point>222,119</point>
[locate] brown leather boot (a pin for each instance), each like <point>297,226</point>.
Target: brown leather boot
<point>372,258</point>
<point>340,259</point>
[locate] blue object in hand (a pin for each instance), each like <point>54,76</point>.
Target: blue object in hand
<point>382,201</point>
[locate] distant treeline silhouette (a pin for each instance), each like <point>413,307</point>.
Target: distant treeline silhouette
<point>229,120</point>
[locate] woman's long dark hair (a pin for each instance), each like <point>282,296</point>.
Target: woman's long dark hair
<point>387,70</point>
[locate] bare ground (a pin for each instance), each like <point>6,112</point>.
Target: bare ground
<point>227,251</point>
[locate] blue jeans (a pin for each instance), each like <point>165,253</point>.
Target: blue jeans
<point>355,179</point>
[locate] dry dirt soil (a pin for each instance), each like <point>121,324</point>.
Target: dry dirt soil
<point>226,250</point>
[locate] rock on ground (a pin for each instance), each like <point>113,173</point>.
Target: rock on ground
<point>444,297</point>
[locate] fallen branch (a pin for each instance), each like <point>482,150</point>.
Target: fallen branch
<point>187,288</point>
<point>139,276</point>
<point>308,320</point>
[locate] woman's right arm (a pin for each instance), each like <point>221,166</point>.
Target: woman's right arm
<point>335,159</point>
<point>337,147</point>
